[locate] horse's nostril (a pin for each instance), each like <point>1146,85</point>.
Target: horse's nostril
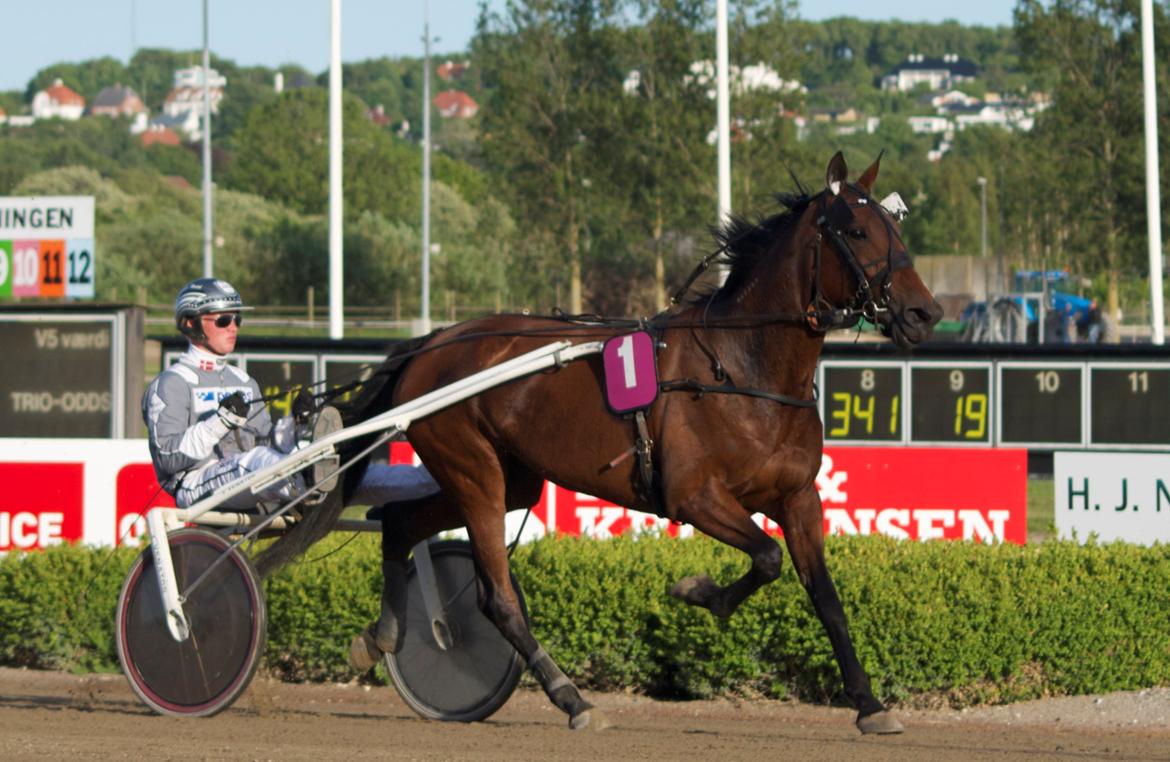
<point>920,316</point>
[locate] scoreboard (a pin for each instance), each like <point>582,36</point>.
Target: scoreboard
<point>1039,404</point>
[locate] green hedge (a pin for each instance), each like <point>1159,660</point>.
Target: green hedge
<point>943,621</point>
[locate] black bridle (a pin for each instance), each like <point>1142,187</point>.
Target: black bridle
<point>834,223</point>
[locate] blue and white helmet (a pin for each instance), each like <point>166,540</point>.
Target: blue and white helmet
<point>203,296</point>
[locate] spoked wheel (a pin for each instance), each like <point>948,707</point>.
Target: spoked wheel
<point>209,670</point>
<point>472,679</point>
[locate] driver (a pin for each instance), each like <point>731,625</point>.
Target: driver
<point>208,425</point>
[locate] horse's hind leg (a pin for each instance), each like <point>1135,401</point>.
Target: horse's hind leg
<point>801,518</point>
<point>404,524</point>
<point>715,512</point>
<point>499,603</point>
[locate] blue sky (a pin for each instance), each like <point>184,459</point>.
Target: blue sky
<point>271,32</point>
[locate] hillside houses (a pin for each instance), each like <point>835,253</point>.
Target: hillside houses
<point>117,100</point>
<point>937,73</point>
<point>182,111</point>
<point>181,116</point>
<point>57,102</point>
<point>455,104</point>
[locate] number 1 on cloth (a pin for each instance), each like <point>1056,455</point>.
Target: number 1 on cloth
<point>631,375</point>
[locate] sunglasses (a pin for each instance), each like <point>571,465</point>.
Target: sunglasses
<point>225,319</point>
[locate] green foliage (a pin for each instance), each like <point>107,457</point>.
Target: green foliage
<point>282,152</point>
<point>572,182</point>
<point>960,623</point>
<point>57,607</point>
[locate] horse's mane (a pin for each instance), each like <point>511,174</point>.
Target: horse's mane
<point>746,243</point>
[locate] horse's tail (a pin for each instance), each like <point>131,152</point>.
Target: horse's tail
<point>376,396</point>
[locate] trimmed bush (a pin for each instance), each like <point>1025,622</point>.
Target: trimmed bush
<point>932,622</point>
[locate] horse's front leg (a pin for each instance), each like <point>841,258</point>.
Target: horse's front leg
<point>802,521</point>
<point>715,512</point>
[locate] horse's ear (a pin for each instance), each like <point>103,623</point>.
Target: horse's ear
<point>869,176</point>
<point>835,174</point>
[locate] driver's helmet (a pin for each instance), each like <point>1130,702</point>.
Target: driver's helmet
<point>203,296</point>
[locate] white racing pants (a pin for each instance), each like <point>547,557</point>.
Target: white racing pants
<point>380,484</point>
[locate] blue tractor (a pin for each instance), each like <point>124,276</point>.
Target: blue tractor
<point>1038,312</point>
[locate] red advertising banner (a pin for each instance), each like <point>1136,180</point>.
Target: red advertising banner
<point>136,492</point>
<point>919,493</point>
<point>925,493</point>
<point>41,504</point>
<point>97,491</point>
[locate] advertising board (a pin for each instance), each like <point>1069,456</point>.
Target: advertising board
<point>65,376</point>
<point>1113,496</point>
<point>46,247</point>
<point>97,491</point>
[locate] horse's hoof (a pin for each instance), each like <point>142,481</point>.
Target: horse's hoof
<point>879,723</point>
<point>590,719</point>
<point>694,590</point>
<point>364,652</point>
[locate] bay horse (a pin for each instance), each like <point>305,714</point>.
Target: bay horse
<point>753,447</point>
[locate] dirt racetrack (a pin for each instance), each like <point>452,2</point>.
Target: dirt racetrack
<point>49,715</point>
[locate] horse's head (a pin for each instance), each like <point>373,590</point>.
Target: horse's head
<point>861,267</point>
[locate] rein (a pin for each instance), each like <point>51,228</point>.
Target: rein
<point>820,316</point>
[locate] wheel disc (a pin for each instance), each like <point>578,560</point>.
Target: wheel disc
<point>206,672</point>
<point>476,675</point>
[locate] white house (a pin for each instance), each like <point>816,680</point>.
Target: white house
<point>185,123</point>
<point>187,93</point>
<point>938,73</point>
<point>192,76</point>
<point>59,102</point>
<point>929,125</point>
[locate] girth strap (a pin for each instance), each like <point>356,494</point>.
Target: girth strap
<point>644,447</point>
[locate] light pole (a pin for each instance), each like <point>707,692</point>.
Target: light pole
<point>1153,194</point>
<point>982,215</point>
<point>336,253</point>
<point>983,234</point>
<point>208,227</point>
<point>723,121</point>
<point>424,326</point>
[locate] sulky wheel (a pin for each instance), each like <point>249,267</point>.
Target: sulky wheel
<point>472,679</point>
<point>210,669</point>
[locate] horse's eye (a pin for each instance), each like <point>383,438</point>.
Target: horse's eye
<point>857,234</point>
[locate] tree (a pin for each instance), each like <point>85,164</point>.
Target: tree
<point>282,153</point>
<point>1088,53</point>
<point>551,77</point>
<point>666,117</point>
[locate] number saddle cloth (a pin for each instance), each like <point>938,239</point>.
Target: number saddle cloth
<point>631,387</point>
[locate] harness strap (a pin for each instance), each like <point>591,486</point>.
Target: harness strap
<point>693,385</point>
<point>644,447</point>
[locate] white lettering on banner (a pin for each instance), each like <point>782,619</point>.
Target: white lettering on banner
<point>598,522</point>
<point>26,530</point>
<point>829,484</point>
<point>928,523</point>
<point>931,523</point>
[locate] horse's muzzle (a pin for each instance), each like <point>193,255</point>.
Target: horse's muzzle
<point>908,325</point>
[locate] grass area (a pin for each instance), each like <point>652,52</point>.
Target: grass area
<point>1041,514</point>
